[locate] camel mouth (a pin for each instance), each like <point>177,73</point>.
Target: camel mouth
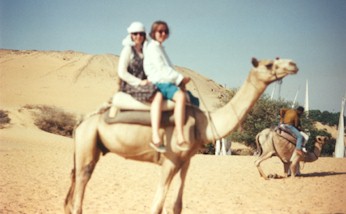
<point>293,71</point>
<point>293,68</point>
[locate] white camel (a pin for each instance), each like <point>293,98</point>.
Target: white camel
<point>94,135</point>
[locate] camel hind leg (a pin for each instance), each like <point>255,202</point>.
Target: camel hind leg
<point>86,156</point>
<point>68,199</point>
<point>258,162</point>
<point>264,154</point>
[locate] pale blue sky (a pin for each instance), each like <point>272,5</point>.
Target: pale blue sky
<point>214,38</point>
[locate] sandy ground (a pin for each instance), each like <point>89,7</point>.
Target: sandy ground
<point>35,179</point>
<point>35,165</point>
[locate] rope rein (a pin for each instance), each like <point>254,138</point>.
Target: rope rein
<point>210,121</point>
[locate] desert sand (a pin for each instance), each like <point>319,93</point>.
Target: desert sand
<point>35,165</point>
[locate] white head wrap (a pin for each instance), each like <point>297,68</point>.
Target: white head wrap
<point>133,28</point>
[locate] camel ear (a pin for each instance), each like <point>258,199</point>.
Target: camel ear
<point>254,62</point>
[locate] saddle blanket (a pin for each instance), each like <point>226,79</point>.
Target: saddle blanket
<point>136,117</point>
<point>285,133</point>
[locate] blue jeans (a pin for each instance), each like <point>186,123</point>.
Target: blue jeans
<point>299,136</point>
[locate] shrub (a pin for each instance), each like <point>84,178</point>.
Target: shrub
<point>4,119</point>
<point>53,120</point>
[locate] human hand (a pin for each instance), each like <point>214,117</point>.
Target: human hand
<point>183,83</point>
<point>144,82</point>
<point>186,80</point>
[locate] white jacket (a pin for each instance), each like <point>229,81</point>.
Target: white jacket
<point>158,67</point>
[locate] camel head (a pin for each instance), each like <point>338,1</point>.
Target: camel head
<point>269,71</point>
<point>321,140</point>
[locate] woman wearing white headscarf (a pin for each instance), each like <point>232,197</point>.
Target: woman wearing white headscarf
<point>130,67</point>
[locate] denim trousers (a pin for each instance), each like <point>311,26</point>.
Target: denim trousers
<point>298,135</point>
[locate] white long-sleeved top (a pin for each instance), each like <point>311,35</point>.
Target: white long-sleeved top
<point>158,67</point>
<point>125,57</point>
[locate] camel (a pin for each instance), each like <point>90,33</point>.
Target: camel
<point>269,143</point>
<point>93,135</point>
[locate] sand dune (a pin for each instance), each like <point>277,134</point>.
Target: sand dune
<point>35,165</point>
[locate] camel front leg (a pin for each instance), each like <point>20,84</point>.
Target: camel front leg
<point>178,203</point>
<point>287,169</point>
<point>169,169</point>
<point>294,167</point>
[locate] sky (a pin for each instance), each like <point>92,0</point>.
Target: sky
<point>214,38</point>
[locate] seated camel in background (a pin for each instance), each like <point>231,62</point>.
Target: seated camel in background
<point>270,143</point>
<point>93,135</point>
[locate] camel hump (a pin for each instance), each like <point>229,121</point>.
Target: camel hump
<point>125,101</point>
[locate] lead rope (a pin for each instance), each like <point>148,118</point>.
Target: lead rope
<point>215,134</point>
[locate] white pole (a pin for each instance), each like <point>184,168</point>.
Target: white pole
<point>295,98</point>
<point>217,147</point>
<point>340,144</point>
<point>279,83</point>
<point>272,95</point>
<point>307,99</point>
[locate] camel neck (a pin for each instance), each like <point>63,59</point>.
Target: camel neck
<point>313,156</point>
<point>227,118</point>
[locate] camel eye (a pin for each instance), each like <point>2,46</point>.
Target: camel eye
<point>269,66</point>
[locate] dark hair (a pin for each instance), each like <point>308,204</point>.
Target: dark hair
<point>154,27</point>
<point>300,108</point>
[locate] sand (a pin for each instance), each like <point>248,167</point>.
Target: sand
<point>35,165</point>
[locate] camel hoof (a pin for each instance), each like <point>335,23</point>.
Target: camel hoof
<point>272,176</point>
<point>275,176</point>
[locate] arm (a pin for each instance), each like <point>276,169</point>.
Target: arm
<point>282,114</point>
<point>124,61</point>
<point>157,67</point>
<point>297,123</point>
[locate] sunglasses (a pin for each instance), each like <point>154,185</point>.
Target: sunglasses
<point>138,33</point>
<point>163,31</point>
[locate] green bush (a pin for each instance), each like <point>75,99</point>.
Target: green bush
<point>53,120</point>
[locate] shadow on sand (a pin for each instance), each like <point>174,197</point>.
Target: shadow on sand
<point>322,174</point>
<point>314,174</point>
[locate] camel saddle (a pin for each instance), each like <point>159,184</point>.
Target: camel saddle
<point>126,109</point>
<point>285,133</point>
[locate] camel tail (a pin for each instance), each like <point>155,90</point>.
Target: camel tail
<point>258,145</point>
<point>100,110</point>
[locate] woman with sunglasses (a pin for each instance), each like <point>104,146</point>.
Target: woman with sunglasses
<point>169,82</point>
<point>130,66</point>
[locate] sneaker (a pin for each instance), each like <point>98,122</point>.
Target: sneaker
<point>159,147</point>
<point>304,150</point>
